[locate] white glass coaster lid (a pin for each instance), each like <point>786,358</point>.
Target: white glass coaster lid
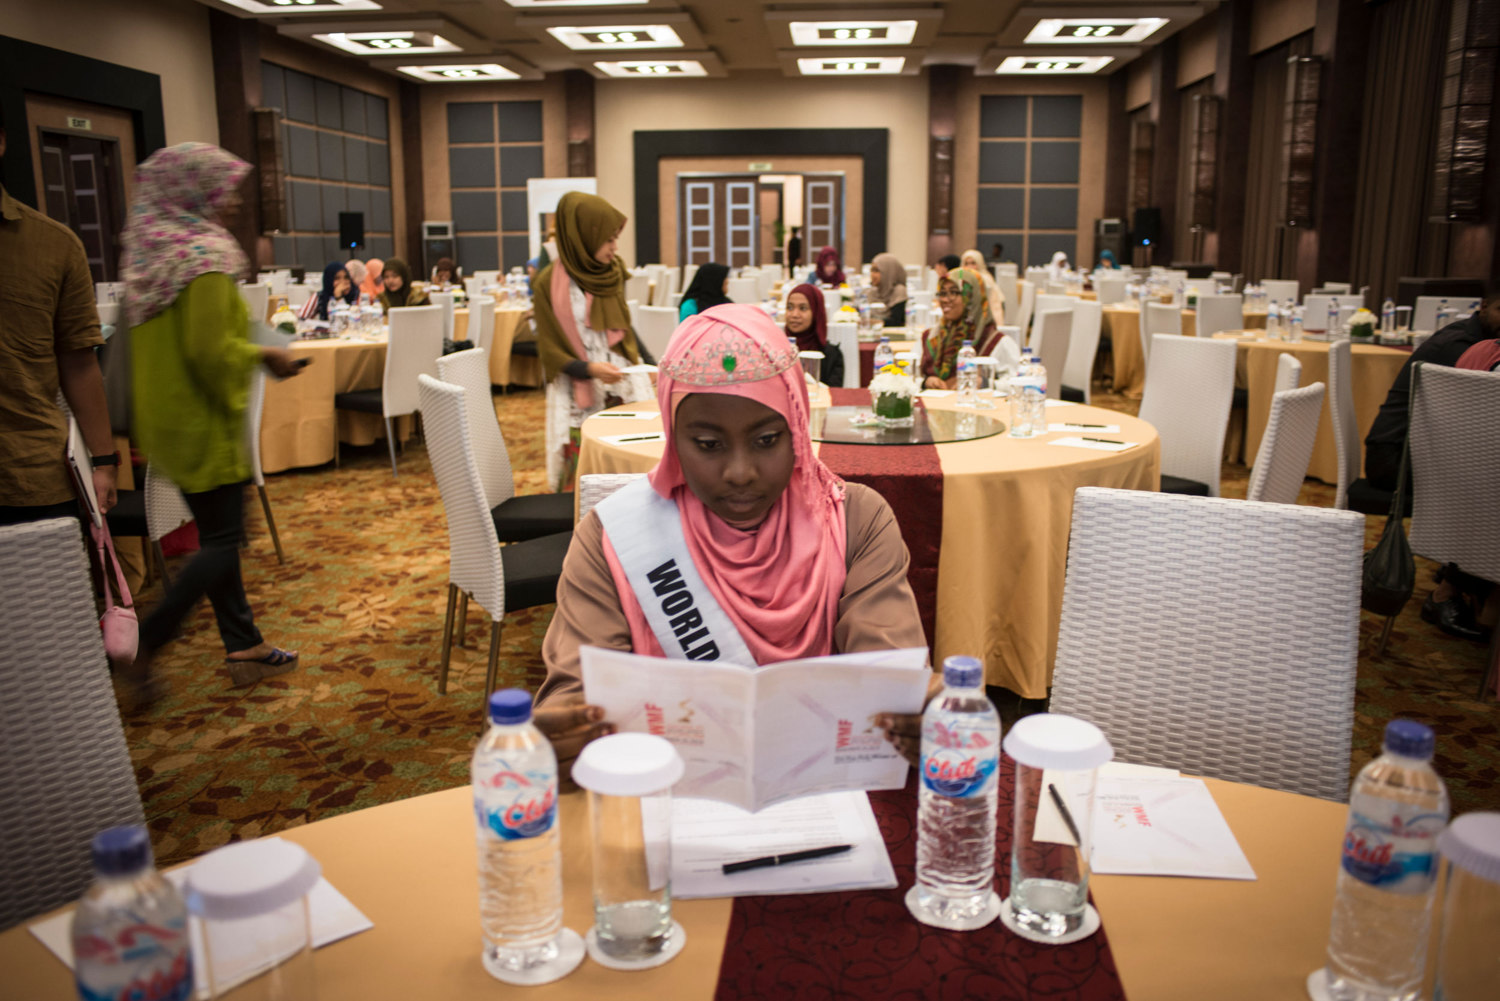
<point>1472,842</point>
<point>1050,740</point>
<point>251,878</point>
<point>628,764</point>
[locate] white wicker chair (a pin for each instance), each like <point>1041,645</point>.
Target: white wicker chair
<point>68,773</point>
<point>1165,649</point>
<point>846,337</point>
<point>1220,312</point>
<point>1189,388</point>
<point>297,296</point>
<point>1345,423</point>
<point>482,322</point>
<point>1158,318</point>
<point>1455,469</point>
<point>257,299</point>
<point>1282,289</point>
<point>1110,290</point>
<point>253,415</point>
<point>594,487</point>
<point>654,326</point>
<point>1050,339</point>
<point>412,350</point>
<point>445,301</point>
<point>1007,349</point>
<point>1083,346</point>
<point>1288,373</point>
<point>521,575</point>
<point>1286,447</point>
<point>666,287</point>
<point>1028,306</point>
<point>743,290</point>
<point>1045,302</point>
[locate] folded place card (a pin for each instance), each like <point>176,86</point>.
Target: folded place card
<point>1098,446</point>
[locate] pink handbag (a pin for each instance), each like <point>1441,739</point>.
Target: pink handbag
<point>120,627</point>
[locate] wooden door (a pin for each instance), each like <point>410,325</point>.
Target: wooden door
<point>822,214</point>
<point>81,189</point>
<point>717,219</point>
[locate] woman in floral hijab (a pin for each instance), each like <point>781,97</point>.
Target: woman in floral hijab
<point>965,317</point>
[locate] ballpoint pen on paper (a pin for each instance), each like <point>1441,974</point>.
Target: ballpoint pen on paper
<point>771,860</point>
<point>640,437</point>
<point>1072,425</point>
<point>1102,441</point>
<point>1067,816</point>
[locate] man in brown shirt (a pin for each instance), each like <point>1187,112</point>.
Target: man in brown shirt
<point>49,328</point>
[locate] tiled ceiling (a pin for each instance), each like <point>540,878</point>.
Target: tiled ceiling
<point>718,37</point>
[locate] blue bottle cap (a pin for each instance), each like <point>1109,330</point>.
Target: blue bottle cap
<point>963,672</point>
<point>509,706</point>
<point>122,851</point>
<point>1409,738</point>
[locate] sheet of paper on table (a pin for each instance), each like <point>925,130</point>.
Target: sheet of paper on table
<point>935,394</point>
<point>333,918</point>
<point>638,438</point>
<point>1098,446</point>
<point>753,737</point>
<point>705,835</point>
<point>1163,827</point>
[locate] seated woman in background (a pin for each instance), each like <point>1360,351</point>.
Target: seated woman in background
<point>828,270</point>
<point>966,317</point>
<point>946,263</point>
<point>888,276</point>
<point>371,286</point>
<point>705,291</point>
<point>336,288</point>
<point>1107,260</point>
<point>1058,269</point>
<point>790,561</point>
<point>357,274</point>
<point>974,261</point>
<point>398,287</point>
<point>584,336</point>
<point>445,273</point>
<point>807,324</point>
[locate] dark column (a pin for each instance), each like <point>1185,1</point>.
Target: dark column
<point>411,181</point>
<point>942,126</point>
<point>578,99</point>
<point>1166,113</point>
<point>1117,153</point>
<point>1340,39</point>
<point>1232,86</point>
<point>235,45</point>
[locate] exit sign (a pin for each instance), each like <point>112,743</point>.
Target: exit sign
<point>80,123</point>
<point>760,165</point>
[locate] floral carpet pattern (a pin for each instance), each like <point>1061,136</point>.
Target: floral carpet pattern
<point>360,722</point>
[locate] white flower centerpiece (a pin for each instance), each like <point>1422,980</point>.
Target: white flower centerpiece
<point>891,389</point>
<point>1361,326</point>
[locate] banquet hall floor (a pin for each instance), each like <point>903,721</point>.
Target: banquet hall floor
<point>360,722</point>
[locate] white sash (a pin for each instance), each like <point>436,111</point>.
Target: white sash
<point>645,530</point>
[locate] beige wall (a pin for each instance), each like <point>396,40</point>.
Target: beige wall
<point>1274,21</point>
<point>1093,146</point>
<point>769,101</point>
<point>1138,83</point>
<point>1198,50</point>
<point>165,37</point>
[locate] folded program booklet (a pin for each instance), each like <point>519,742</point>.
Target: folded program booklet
<point>756,736</point>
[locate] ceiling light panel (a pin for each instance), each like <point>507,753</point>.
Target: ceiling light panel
<point>1052,65</point>
<point>641,36</point>
<point>851,66</point>
<point>642,69</point>
<point>1093,30</point>
<point>460,73</point>
<point>389,43</point>
<point>281,7</point>
<point>830,33</point>
<point>554,4</point>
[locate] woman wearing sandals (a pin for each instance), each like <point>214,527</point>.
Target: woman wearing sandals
<point>191,363</point>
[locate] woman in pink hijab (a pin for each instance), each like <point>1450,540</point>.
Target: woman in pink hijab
<point>781,559</point>
<point>373,284</point>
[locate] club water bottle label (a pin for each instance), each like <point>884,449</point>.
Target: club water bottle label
<point>515,803</point>
<point>1384,849</point>
<point>136,962</point>
<point>958,761</point>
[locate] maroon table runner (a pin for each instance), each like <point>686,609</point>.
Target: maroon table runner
<point>864,945</point>
<point>910,478</point>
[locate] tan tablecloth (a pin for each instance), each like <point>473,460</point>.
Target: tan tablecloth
<point>1232,940</point>
<point>505,369</point>
<point>1007,512</point>
<point>1122,325</point>
<point>1373,370</point>
<point>300,421</point>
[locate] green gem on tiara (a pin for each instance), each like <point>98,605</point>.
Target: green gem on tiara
<point>729,363</point>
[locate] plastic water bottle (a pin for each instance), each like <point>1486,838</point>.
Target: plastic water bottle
<point>514,774</point>
<point>130,935</point>
<point>959,773</point>
<point>1333,318</point>
<point>1294,329</point>
<point>1020,403</point>
<point>1388,318</point>
<point>1377,948</point>
<point>1273,321</point>
<point>1441,320</point>
<point>884,354</point>
<point>968,376</point>
<point>1036,395</point>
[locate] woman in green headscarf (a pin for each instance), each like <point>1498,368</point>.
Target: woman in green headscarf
<point>584,336</point>
<point>965,317</point>
<point>399,290</point>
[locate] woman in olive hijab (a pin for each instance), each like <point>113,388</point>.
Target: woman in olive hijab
<point>399,290</point>
<point>584,336</point>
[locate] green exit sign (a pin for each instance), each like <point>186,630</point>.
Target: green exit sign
<point>760,165</point>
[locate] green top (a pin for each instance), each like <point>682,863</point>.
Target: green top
<point>190,373</point>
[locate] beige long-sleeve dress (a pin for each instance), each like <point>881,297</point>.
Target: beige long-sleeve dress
<point>876,609</point>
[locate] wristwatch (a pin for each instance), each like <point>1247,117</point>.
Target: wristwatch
<point>112,459</point>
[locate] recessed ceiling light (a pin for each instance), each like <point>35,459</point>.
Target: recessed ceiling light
<point>648,68</point>
<point>1092,30</point>
<point>549,4</point>
<point>1046,65</point>
<point>301,6</point>
<point>640,36</point>
<point>386,43</point>
<point>475,73</point>
<point>827,33</point>
<point>851,65</point>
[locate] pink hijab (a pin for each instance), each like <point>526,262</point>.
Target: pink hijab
<point>373,285</point>
<point>779,582</point>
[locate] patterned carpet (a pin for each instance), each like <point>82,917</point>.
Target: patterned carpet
<point>360,722</point>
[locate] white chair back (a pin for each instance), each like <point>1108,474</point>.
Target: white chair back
<point>1050,338</point>
<point>922,298</point>
<point>470,371</point>
<point>1281,289</point>
<point>1056,288</point>
<point>1007,349</point>
<point>675,301</point>
<point>1022,319</point>
<point>595,487</point>
<point>666,288</point>
<point>1315,309</point>
<point>472,287</point>
<point>833,301</point>
<point>445,301</point>
<point>1424,313</point>
<point>1455,472</point>
<point>1336,288</point>
<point>257,301</point>
<point>1110,290</point>
<point>688,271</point>
<point>1189,388</point>
<point>1083,345</point>
<point>1155,589</point>
<point>1162,319</point>
<point>484,279</point>
<point>481,322</point>
<point>1220,312</point>
<point>1046,301</point>
<point>1287,444</point>
<point>1288,373</point>
<point>638,288</point>
<point>297,295</point>
<point>1005,280</point>
<point>1345,422</point>
<point>415,342</point>
<point>744,290</point>
<point>766,281</point>
<point>654,326</point>
<point>846,336</point>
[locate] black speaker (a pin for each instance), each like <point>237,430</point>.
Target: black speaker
<point>1146,228</point>
<point>351,230</point>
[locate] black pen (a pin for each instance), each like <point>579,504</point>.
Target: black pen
<point>642,437</point>
<point>771,860</point>
<point>1072,425</point>
<point>1105,441</point>
<point>636,416</point>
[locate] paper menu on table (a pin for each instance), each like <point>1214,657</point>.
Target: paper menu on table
<point>1163,827</point>
<point>706,834</point>
<point>756,736</point>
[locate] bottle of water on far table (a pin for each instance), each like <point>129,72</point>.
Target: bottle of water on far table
<point>1020,403</point>
<point>959,775</point>
<point>1388,317</point>
<point>884,354</point>
<point>514,775</point>
<point>1294,326</point>
<point>130,935</point>
<point>1377,947</point>
<point>1036,395</point>
<point>968,376</point>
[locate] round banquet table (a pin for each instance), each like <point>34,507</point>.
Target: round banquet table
<point>1373,368</point>
<point>1122,325</point>
<point>505,369</point>
<point>986,521</point>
